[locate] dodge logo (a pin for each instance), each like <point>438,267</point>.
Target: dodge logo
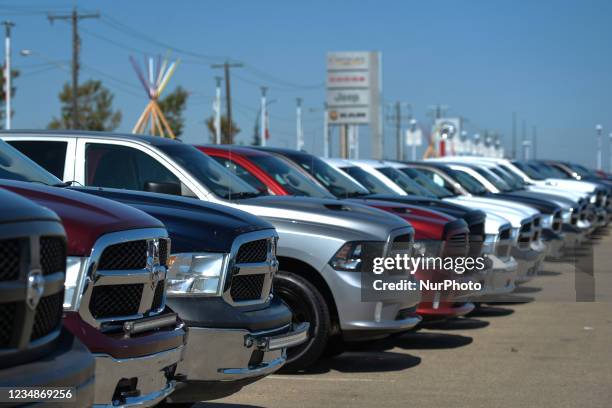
<point>36,288</point>
<point>155,269</point>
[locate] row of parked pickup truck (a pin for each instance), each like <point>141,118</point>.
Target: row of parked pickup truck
<point>142,271</point>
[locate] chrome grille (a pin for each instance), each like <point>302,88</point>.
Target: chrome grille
<point>124,256</point>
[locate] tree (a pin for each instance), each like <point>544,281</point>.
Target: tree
<point>95,108</point>
<point>14,74</point>
<point>227,136</point>
<point>172,106</point>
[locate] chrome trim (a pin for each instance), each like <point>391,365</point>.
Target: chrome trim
<point>387,250</point>
<point>262,369</point>
<point>95,277</point>
<point>294,338</point>
<point>153,383</point>
<point>267,268</point>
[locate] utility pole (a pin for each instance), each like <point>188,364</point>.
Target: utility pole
<point>74,17</point>
<point>228,96</point>
<point>514,135</point>
<point>396,121</point>
<point>299,129</point>
<point>599,129</point>
<point>524,139</point>
<point>7,73</point>
<point>218,110</point>
<point>262,137</point>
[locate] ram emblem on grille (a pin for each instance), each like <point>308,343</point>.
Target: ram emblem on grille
<point>36,288</point>
<point>156,271</point>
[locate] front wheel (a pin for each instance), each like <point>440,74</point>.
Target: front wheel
<point>307,305</point>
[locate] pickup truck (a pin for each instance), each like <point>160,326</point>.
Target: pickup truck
<point>267,171</point>
<point>114,294</point>
<point>231,254</point>
<point>320,241</point>
<point>36,350</point>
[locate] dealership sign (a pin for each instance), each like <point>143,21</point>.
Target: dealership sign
<point>352,87</point>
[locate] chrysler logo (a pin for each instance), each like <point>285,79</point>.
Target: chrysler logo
<point>36,288</point>
<point>156,271</point>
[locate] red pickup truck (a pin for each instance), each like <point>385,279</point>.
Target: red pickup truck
<point>114,299</point>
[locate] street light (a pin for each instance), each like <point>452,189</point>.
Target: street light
<point>599,129</point>
<point>32,53</point>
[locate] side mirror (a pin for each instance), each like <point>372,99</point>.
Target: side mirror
<point>163,187</point>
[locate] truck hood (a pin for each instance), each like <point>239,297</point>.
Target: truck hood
<point>16,208</point>
<point>494,222</point>
<point>575,185</point>
<point>564,202</point>
<point>84,216</point>
<point>494,207</point>
<point>539,203</point>
<point>569,194</point>
<point>193,225</point>
<point>371,223</point>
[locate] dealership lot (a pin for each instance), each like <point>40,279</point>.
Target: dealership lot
<point>549,352</point>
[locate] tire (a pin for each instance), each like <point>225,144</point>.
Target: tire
<point>165,404</point>
<point>335,347</point>
<point>307,305</point>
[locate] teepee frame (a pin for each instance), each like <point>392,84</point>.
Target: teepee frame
<point>158,74</point>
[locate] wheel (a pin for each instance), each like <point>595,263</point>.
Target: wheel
<point>307,305</point>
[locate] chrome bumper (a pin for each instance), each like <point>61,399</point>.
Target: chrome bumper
<point>151,372</point>
<point>500,278</point>
<point>226,354</point>
<point>554,248</point>
<point>529,263</point>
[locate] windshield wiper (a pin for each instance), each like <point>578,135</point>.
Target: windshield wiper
<point>67,183</point>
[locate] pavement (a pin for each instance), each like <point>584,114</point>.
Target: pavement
<point>546,350</point>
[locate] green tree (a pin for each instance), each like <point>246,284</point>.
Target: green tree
<point>227,136</point>
<point>14,74</point>
<point>95,104</point>
<point>173,105</point>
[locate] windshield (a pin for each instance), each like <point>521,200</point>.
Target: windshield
<point>333,180</point>
<point>427,183</point>
<point>16,166</point>
<point>514,183</point>
<point>548,171</point>
<point>289,177</point>
<point>529,171</point>
<point>498,183</point>
<point>207,171</point>
<point>580,170</point>
<point>374,185</point>
<point>468,182</point>
<point>406,183</point>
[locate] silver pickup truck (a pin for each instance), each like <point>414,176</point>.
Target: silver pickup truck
<point>324,245</point>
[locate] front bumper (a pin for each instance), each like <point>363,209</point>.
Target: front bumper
<point>529,262</point>
<point>363,320</point>
<point>231,358</point>
<point>70,364</point>
<point>499,279</point>
<point>554,243</point>
<point>151,378</point>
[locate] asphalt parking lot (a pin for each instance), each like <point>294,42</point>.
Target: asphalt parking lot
<point>547,351</point>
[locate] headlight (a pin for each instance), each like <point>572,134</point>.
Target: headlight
<point>196,274</point>
<point>546,221</point>
<point>566,215</point>
<point>75,279</point>
<point>351,256</point>
<point>593,199</point>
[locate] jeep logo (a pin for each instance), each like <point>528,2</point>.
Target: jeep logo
<point>35,289</point>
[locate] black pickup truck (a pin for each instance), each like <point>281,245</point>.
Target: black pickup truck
<point>35,349</point>
<point>220,283</point>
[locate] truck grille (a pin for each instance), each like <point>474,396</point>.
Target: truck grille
<point>48,315</point>
<point>456,245</point>
<point>477,234</point>
<point>115,300</point>
<point>127,255</point>
<point>254,251</point>
<point>8,313</point>
<point>247,287</point>
<point>10,255</point>
<point>158,297</point>
<point>557,221</point>
<point>21,324</point>
<point>52,255</point>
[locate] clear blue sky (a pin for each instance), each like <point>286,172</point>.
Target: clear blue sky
<point>550,61</point>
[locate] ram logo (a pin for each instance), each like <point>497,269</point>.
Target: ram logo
<point>36,288</point>
<point>156,271</point>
